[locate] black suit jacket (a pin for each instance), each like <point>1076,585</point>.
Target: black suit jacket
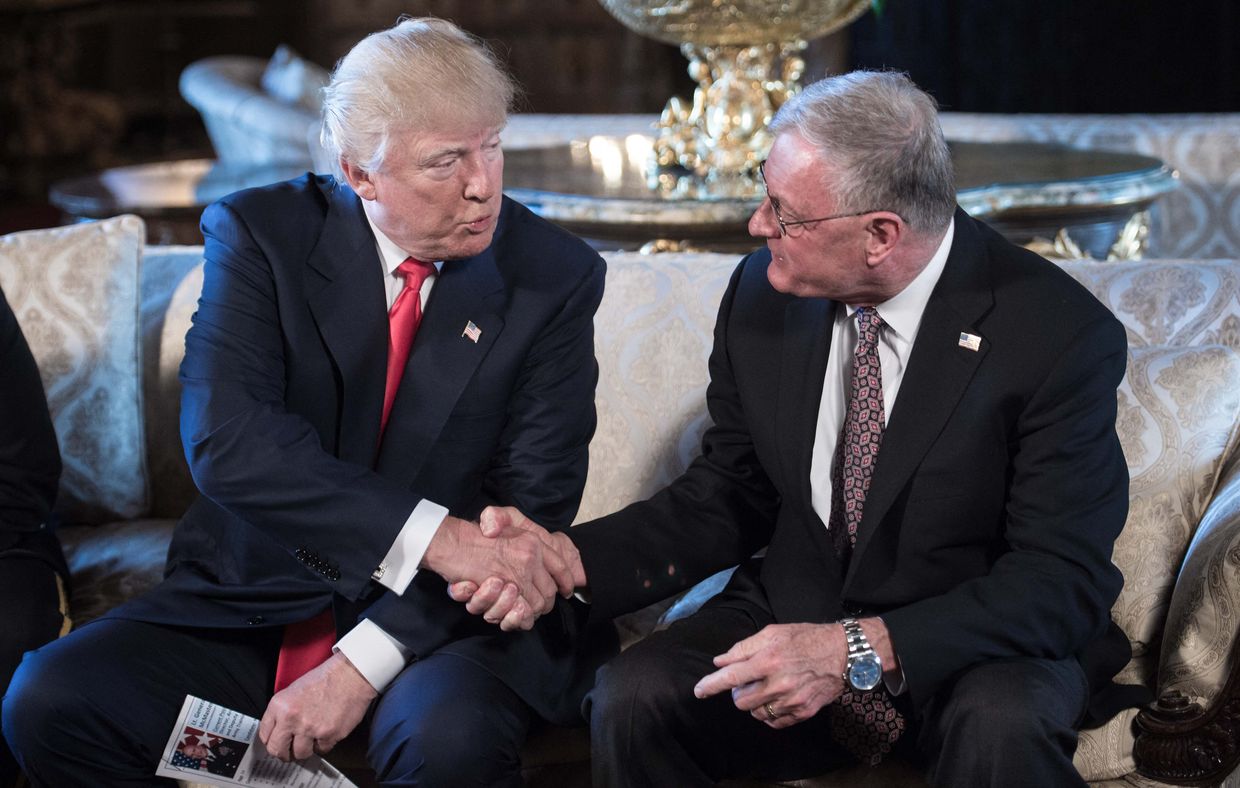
<point>29,456</point>
<point>283,379</point>
<point>999,490</point>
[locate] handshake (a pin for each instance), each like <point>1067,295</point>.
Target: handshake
<point>506,568</point>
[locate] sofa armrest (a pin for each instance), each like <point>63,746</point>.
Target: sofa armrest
<point>1192,734</point>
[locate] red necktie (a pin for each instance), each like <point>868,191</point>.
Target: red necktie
<point>865,723</point>
<point>308,644</point>
<point>403,320</point>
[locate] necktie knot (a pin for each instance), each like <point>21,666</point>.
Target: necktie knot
<point>415,272</point>
<point>868,324</point>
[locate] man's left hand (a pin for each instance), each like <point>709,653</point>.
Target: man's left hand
<point>315,712</point>
<point>790,670</point>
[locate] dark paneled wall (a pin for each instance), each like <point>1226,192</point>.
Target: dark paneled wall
<point>91,83</point>
<point>1061,55</point>
<point>570,55</point>
<point>86,84</point>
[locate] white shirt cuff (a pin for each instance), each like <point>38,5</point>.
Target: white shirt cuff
<point>395,572</point>
<point>378,656</point>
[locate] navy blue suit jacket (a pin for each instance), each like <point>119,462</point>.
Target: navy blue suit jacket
<point>998,493</point>
<point>283,379</point>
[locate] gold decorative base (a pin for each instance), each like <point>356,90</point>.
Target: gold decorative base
<point>723,133</point>
<point>1130,244</point>
<point>1133,239</point>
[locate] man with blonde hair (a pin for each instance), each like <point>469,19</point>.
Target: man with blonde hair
<point>376,358</point>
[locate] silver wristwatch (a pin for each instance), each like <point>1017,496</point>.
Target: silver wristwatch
<point>864,669</point>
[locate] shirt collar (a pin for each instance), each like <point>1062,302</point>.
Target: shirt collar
<point>902,312</point>
<point>391,255</point>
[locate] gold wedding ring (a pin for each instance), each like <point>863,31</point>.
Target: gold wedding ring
<point>770,713</point>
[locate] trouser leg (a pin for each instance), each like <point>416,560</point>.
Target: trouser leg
<point>447,721</point>
<point>29,617</point>
<point>97,707</point>
<point>1006,723</point>
<point>648,729</point>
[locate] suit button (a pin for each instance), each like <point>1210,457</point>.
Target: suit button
<point>254,620</point>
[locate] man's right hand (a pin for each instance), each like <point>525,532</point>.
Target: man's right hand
<point>496,600</point>
<point>520,568</point>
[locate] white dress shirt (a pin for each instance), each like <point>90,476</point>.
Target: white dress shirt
<point>901,316</point>
<point>378,656</point>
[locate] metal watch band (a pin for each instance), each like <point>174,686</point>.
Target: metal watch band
<point>858,643</point>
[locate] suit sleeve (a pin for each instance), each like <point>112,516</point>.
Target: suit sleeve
<point>543,456</point>
<point>246,452</point>
<point>539,466</point>
<point>29,456</point>
<point>1050,594</point>
<point>715,515</point>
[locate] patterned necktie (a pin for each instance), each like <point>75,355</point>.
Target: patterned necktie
<point>307,644</point>
<point>861,436</point>
<point>865,723</point>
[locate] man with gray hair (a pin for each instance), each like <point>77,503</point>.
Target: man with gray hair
<point>914,420</point>
<point>375,360</point>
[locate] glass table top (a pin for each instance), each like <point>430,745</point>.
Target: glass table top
<point>602,188</point>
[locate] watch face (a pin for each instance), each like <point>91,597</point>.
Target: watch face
<point>864,673</point>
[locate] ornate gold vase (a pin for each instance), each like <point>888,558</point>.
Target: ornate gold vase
<point>746,58</point>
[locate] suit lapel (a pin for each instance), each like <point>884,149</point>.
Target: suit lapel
<point>442,360</point>
<point>344,289</point>
<point>939,371</point>
<point>807,343</point>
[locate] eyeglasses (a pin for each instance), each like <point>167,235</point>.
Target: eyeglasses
<point>784,225</point>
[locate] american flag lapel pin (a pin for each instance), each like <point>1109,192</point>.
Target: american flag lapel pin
<point>471,332</point>
<point>970,341</point>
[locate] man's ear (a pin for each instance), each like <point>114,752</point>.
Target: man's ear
<point>358,179</point>
<point>883,233</point>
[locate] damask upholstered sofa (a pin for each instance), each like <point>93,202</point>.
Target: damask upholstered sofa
<point>106,316</point>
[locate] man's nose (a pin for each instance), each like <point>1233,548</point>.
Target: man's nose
<point>482,178</point>
<point>763,223</point>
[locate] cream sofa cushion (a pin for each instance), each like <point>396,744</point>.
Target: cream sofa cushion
<point>1203,620</point>
<point>652,337</point>
<point>171,282</point>
<point>1168,302</point>
<point>1177,420</point>
<point>1178,411</point>
<point>75,292</point>
<point>113,563</point>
